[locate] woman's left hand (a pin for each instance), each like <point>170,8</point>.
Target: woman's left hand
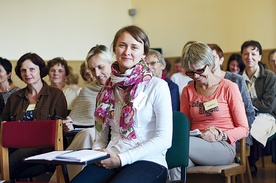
<point>211,134</point>
<point>113,162</point>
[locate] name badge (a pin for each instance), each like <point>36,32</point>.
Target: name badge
<point>140,101</point>
<point>210,104</point>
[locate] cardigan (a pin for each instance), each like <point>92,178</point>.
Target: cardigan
<point>265,86</point>
<point>249,109</point>
<point>174,94</point>
<point>51,102</point>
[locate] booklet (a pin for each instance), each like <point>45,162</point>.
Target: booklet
<point>70,156</point>
<point>195,132</point>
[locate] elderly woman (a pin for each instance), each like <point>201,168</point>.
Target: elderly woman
<point>214,106</point>
<point>37,101</point>
<point>157,64</point>
<point>58,72</point>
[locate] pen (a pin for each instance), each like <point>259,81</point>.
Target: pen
<point>59,117</point>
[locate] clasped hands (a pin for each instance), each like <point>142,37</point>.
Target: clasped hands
<point>113,161</point>
<point>212,134</point>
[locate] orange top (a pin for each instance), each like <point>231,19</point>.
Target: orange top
<point>228,114</point>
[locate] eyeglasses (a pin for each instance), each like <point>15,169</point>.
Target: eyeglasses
<point>153,63</point>
<point>199,71</point>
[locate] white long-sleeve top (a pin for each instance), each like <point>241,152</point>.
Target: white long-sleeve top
<point>153,126</point>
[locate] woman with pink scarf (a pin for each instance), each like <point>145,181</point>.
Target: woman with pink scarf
<point>132,117</point>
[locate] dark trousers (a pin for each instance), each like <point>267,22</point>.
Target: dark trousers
<point>21,169</point>
<point>140,171</point>
<point>257,150</point>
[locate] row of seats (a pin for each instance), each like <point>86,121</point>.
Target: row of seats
<point>49,133</point>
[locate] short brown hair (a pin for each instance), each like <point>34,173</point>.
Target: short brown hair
<point>36,59</point>
<point>137,33</point>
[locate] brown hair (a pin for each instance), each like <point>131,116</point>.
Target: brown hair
<point>137,33</point>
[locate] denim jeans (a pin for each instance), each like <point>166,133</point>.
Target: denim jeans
<point>138,172</point>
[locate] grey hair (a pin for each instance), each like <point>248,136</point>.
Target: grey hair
<point>197,54</point>
<point>159,56</point>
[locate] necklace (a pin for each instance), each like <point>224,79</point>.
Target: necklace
<point>4,90</point>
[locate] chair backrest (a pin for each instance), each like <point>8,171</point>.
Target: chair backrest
<point>32,134</point>
<point>178,154</point>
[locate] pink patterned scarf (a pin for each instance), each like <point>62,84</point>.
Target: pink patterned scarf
<point>105,101</point>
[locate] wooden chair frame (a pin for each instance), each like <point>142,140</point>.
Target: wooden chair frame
<point>224,173</point>
<point>11,136</point>
<point>247,171</point>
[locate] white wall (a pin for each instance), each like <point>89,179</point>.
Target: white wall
<point>171,23</point>
<point>51,28</point>
<point>69,28</point>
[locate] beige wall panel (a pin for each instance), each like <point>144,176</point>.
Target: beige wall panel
<point>171,23</point>
<point>66,28</point>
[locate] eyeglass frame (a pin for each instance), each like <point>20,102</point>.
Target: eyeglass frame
<point>198,71</point>
<point>153,62</point>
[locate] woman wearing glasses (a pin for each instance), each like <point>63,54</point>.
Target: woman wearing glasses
<point>214,106</point>
<point>157,64</point>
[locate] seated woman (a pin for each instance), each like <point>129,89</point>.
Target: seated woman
<point>235,64</point>
<point>6,85</point>
<point>157,64</point>
<point>99,61</point>
<point>214,106</point>
<point>86,73</point>
<point>134,126</point>
<point>180,78</point>
<point>37,101</point>
<point>239,80</point>
<point>72,79</point>
<point>58,72</point>
<point>261,84</point>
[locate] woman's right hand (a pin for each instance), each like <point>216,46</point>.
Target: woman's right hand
<point>113,161</point>
<point>67,125</point>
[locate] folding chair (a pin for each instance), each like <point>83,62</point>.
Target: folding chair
<point>178,154</point>
<point>33,134</point>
